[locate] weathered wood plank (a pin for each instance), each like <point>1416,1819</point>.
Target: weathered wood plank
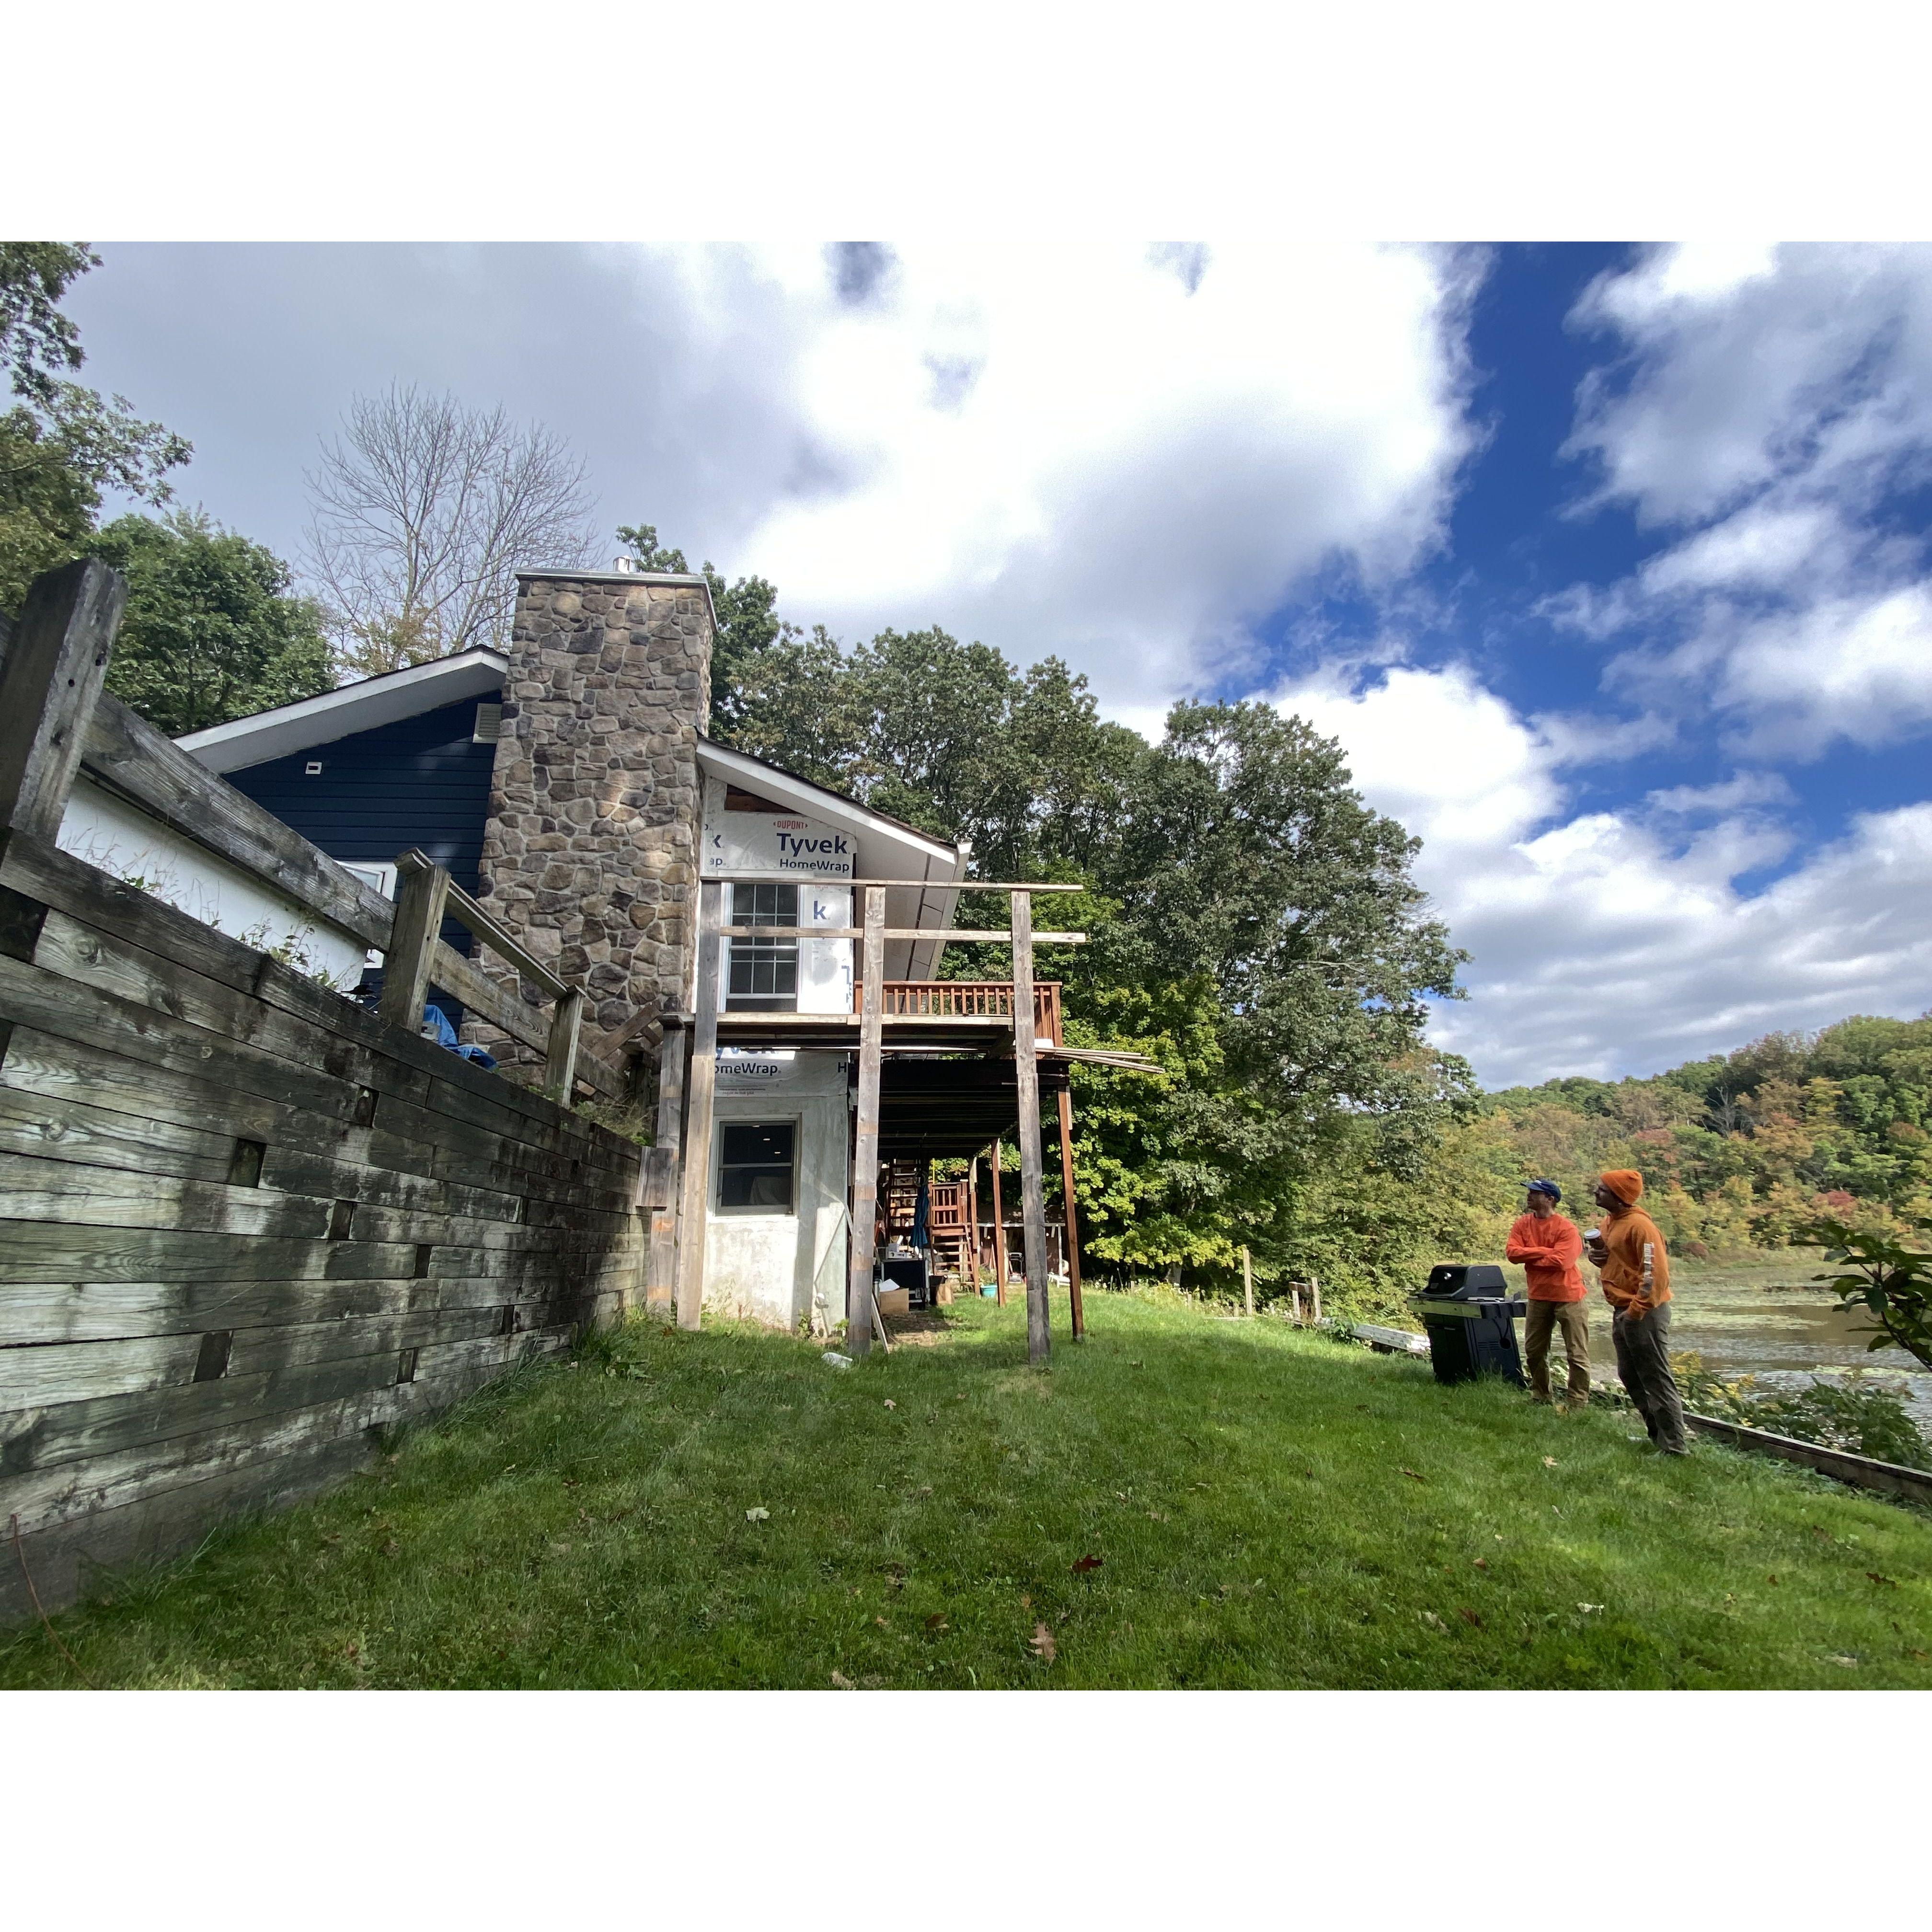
<point>50,685</point>
<point>420,888</point>
<point>45,1071</point>
<point>43,1251</point>
<point>560,1053</point>
<point>126,753</point>
<point>1033,1198</point>
<point>484,925</point>
<point>1073,1223</point>
<point>62,1129</point>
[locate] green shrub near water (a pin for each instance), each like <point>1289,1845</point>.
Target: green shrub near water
<point>1857,1412</point>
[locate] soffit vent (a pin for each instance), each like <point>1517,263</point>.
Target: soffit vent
<point>489,724</point>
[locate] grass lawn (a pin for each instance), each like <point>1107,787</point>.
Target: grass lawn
<point>1182,1501</point>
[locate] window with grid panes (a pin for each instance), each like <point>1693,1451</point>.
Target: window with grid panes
<point>755,1167</point>
<point>764,974</point>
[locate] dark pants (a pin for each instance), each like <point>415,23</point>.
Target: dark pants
<point>1573,1317</point>
<point>1643,1362</point>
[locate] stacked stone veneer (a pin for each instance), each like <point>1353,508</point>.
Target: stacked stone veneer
<point>590,854</point>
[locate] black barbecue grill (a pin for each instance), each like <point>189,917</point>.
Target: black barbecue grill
<point>1469,1316</point>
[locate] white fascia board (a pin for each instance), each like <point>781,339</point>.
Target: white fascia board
<point>342,712</point>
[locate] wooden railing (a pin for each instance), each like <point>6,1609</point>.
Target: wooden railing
<point>67,724</point>
<point>968,999</point>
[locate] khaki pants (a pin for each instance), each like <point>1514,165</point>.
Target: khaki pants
<point>1643,1361</point>
<point>1573,1317</point>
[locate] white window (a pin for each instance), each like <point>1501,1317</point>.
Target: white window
<point>383,878</point>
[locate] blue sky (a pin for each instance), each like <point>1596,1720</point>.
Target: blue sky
<point>1606,564</point>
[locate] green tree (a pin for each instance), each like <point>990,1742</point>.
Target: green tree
<point>61,445</point>
<point>212,629</point>
<point>747,624</point>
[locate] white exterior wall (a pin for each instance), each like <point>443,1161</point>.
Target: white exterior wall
<point>120,840</point>
<point>761,1265</point>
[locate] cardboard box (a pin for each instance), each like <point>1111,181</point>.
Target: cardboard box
<point>895,1301</point>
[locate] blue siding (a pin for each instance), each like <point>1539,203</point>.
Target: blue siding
<point>419,781</point>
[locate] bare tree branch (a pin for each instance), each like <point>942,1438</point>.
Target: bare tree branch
<point>422,511</point>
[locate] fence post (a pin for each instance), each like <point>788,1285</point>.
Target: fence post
<point>560,1063</point>
<point>859,1304</point>
<point>421,890</point>
<point>1248,1283</point>
<point>1026,1071</point>
<point>55,664</point>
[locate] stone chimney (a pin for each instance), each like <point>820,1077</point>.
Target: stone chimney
<point>589,853</point>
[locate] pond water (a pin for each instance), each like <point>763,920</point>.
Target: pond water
<point>1771,1321</point>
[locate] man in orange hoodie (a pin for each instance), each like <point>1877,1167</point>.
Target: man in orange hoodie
<point>1549,1246</point>
<point>1629,1255</point>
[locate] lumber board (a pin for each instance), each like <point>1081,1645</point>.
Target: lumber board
<point>51,1251</point>
<point>34,1190</point>
<point>1033,1200</point>
<point>126,753</point>
<point>70,1130</point>
<point>37,1378</point>
<point>42,1070</point>
<point>861,1305</point>
<point>50,684</point>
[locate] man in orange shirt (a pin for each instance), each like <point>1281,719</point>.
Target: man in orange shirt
<point>1548,1246</point>
<point>1629,1255</point>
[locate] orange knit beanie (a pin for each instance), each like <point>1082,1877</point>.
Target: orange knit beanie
<point>1626,1184</point>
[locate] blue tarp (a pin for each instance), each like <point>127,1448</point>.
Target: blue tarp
<point>436,1024</point>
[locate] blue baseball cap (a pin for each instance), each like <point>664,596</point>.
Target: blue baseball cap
<point>1549,1187</point>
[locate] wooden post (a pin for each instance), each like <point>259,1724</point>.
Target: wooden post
<point>1033,1197</point>
<point>999,1233</point>
<point>658,1176</point>
<point>865,1140</point>
<point>694,1204</point>
<point>420,890</point>
<point>55,662</point>
<point>973,1224</point>
<point>1073,1224</point>
<point>1248,1283</point>
<point>1294,1301</point>
<point>560,1062</point>
<point>1315,1294</point>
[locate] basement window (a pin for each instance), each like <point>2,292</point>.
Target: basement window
<point>756,1166</point>
<point>764,972</point>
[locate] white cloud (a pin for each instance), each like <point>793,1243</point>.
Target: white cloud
<point>1081,448</point>
<point>1606,943</point>
<point>1774,401</point>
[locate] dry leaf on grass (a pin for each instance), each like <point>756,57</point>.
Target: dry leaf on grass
<point>1413,1477</point>
<point>1470,1617</point>
<point>1549,1461</point>
<point>840,1682</point>
<point>1043,1645</point>
<point>1085,1564</point>
<point>1482,1563</point>
<point>757,1516</point>
<point>1433,1620</point>
<point>936,1621</point>
<point>890,1403</point>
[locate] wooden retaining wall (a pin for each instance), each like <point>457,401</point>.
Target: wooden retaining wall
<point>246,1225</point>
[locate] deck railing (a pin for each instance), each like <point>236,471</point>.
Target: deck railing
<point>969,999</point>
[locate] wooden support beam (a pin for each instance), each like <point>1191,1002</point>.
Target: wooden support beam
<point>1033,1198</point>
<point>1072,1223</point>
<point>1248,1283</point>
<point>420,888</point>
<point>657,1177</point>
<point>999,1233</point>
<point>989,936</point>
<point>859,1302</point>
<point>50,681</point>
<point>694,1210</point>
<point>972,1256</point>
<point>566,1022</point>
